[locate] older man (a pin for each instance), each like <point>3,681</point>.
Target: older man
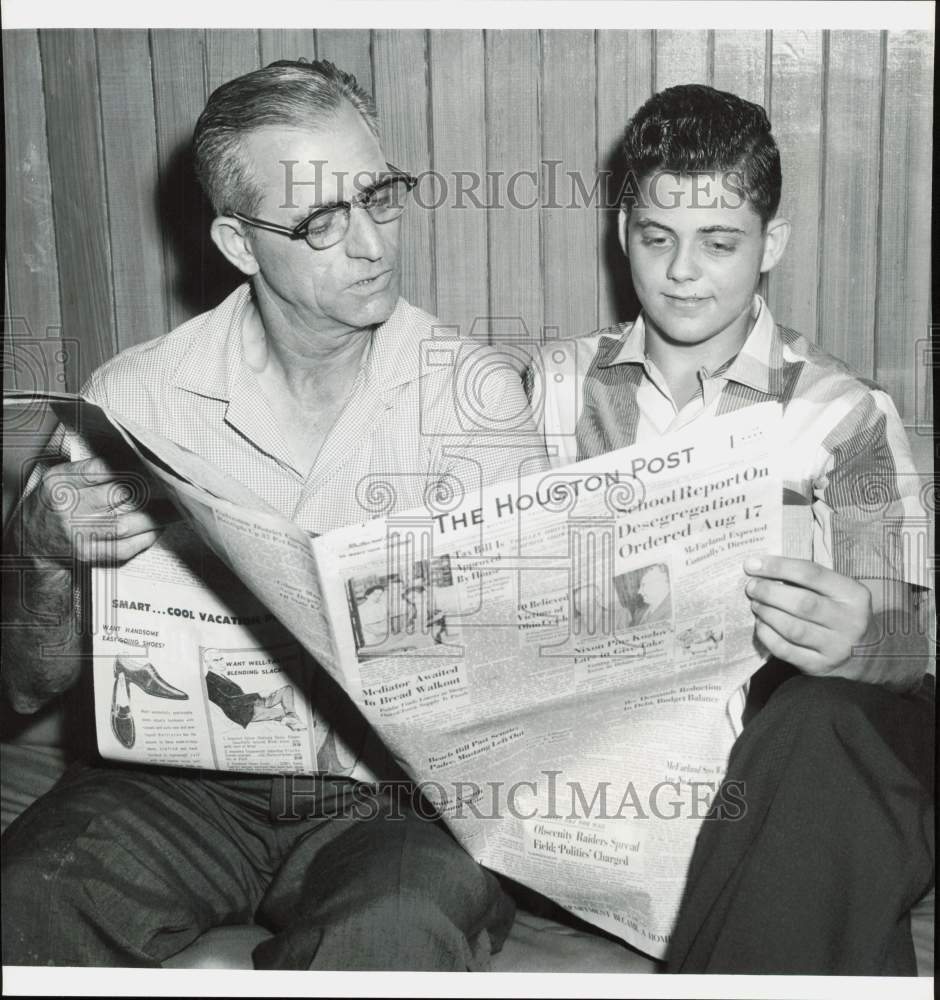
<point>303,384</point>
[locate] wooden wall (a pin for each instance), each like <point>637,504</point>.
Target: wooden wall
<point>106,229</point>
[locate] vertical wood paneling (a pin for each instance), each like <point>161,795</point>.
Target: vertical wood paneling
<point>401,87</point>
<point>179,96</point>
<point>624,82</point>
<point>110,220</point>
<point>350,50</point>
<point>70,77</point>
<point>513,149</point>
<point>740,62</point>
<point>904,250</point>
<point>286,43</point>
<point>796,96</point>
<point>230,53</point>
<point>458,123</point>
<point>31,267</point>
<point>739,65</point>
<point>681,57</point>
<point>569,141</point>
<point>849,258</point>
<point>132,175</point>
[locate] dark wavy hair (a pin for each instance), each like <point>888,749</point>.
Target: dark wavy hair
<point>287,93</point>
<point>693,129</point>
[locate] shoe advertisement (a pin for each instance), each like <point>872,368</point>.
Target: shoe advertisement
<point>186,678</point>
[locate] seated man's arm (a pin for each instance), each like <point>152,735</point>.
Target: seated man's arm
<point>74,514</point>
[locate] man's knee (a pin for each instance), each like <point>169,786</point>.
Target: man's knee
<point>439,874</point>
<point>400,930</point>
<point>392,893</point>
<point>42,900</point>
<point>434,873</point>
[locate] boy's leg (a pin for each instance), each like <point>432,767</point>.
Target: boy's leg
<point>123,866</point>
<point>835,845</point>
<point>391,891</point>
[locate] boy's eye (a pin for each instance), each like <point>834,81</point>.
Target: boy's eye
<point>721,246</point>
<point>655,240</point>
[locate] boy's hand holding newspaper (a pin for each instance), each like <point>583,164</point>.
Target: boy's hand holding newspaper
<point>807,615</point>
<point>819,621</point>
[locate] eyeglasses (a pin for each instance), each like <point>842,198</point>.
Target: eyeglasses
<point>384,201</point>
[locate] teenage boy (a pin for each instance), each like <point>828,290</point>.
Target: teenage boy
<point>836,844</point>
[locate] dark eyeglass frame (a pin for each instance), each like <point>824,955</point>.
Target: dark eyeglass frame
<point>363,200</point>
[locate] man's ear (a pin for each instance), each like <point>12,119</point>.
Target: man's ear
<point>231,239</point>
<point>776,235</point>
<point>622,230</point>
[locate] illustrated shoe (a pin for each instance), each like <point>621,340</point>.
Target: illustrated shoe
<point>122,722</point>
<point>149,681</point>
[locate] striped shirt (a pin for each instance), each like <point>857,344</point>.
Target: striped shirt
<point>847,457</point>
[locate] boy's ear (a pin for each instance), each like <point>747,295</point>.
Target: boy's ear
<point>622,230</point>
<point>776,235</point>
<point>231,239</point>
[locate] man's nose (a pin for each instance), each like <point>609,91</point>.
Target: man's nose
<point>684,265</point>
<point>363,238</point>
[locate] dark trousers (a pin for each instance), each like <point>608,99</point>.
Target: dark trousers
<point>123,866</point>
<point>834,847</point>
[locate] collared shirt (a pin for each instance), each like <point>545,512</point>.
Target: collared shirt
<point>847,457</point>
<point>429,420</point>
<point>847,465</point>
<point>426,416</point>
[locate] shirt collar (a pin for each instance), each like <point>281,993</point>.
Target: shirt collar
<point>395,358</point>
<point>213,365</point>
<point>758,365</point>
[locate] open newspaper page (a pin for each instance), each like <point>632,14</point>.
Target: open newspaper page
<point>242,627</point>
<point>554,664</point>
<point>202,661</point>
<point>191,670</point>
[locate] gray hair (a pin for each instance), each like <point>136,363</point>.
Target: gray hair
<point>297,94</point>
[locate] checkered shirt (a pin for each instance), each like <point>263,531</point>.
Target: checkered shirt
<point>427,418</point>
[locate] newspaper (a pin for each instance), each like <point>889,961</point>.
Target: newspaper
<point>555,662</point>
<point>551,659</point>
